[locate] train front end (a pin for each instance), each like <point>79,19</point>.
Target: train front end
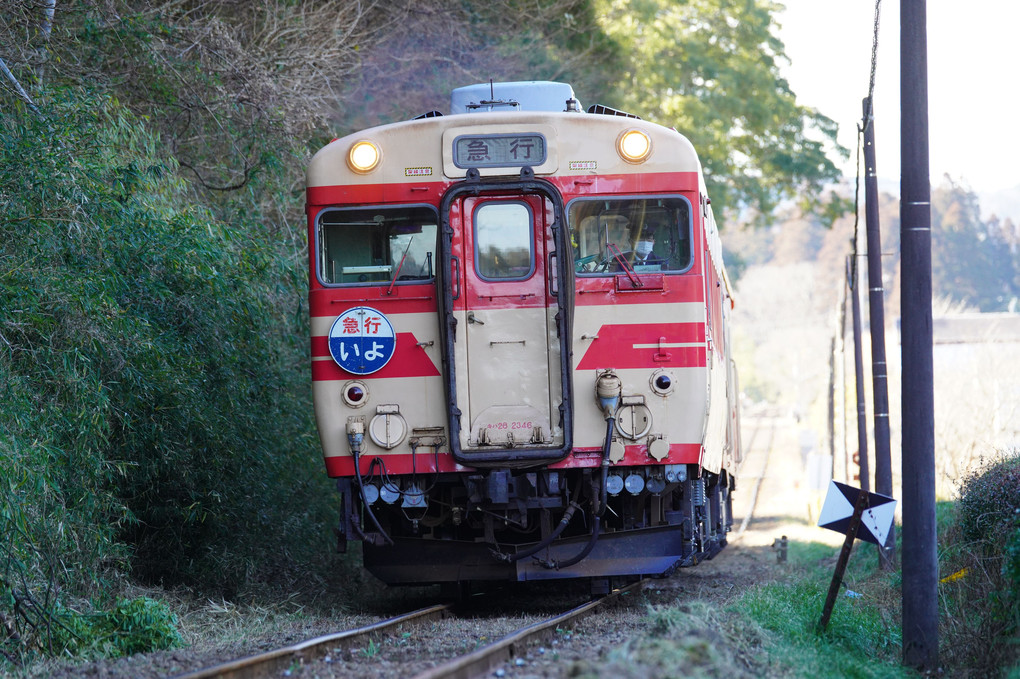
<point>519,355</point>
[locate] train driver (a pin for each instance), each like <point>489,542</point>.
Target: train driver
<point>644,251</point>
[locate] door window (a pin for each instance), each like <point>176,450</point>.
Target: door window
<point>504,247</point>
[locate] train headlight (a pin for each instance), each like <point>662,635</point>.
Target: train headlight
<point>634,146</point>
<point>363,156</point>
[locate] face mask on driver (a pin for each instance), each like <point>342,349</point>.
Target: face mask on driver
<point>644,247</point>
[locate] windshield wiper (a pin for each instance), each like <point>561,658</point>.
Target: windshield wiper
<point>624,264</point>
<point>396,273</point>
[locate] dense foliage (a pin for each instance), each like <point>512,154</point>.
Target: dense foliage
<point>153,351</point>
<point>154,392</point>
<point>130,626</point>
<point>974,261</point>
<point>444,44</point>
<point>980,591</point>
<point>711,70</point>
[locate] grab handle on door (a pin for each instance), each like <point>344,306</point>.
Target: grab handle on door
<point>456,277</point>
<point>471,318</point>
<point>553,273</point>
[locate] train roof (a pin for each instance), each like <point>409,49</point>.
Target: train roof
<point>578,142</point>
<point>513,96</point>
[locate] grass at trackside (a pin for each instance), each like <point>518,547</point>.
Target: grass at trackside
<point>863,636</point>
<point>770,629</point>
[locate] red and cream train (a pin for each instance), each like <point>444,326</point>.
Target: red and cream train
<point>520,358</point>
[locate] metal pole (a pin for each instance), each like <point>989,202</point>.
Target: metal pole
<point>831,429</point>
<point>844,557</point>
<point>876,309</point>
<point>920,557</point>
<point>862,416</point>
<point>842,385</point>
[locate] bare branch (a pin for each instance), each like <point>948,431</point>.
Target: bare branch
<point>210,187</point>
<point>17,85</point>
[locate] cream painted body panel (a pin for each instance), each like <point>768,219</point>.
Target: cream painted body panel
<point>412,151</point>
<point>718,415</point>
<point>422,400</point>
<point>508,388</point>
<point>679,416</point>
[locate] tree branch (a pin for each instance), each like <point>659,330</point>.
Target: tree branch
<point>17,86</point>
<point>232,187</point>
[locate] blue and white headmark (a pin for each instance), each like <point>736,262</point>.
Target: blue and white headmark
<point>362,340</point>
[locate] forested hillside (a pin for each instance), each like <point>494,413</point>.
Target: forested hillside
<point>975,260</point>
<point>154,401</point>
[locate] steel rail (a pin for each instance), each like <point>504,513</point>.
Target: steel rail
<point>750,445</point>
<point>761,477</point>
<point>271,663</point>
<point>487,658</point>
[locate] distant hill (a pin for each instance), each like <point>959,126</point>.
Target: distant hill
<point>1002,204</point>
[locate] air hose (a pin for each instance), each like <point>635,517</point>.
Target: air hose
<point>534,549</point>
<point>597,512</point>
<point>354,440</point>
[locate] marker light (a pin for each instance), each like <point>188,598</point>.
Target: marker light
<point>662,382</point>
<point>634,146</point>
<point>363,156</point>
<point>354,394</point>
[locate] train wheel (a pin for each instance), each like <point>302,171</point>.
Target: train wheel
<point>715,521</point>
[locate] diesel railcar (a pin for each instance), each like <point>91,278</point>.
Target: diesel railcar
<point>521,363</point>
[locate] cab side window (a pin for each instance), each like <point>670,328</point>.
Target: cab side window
<point>366,246</point>
<point>639,233</point>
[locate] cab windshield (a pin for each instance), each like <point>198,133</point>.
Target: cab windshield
<point>366,246</point>
<point>643,234</point>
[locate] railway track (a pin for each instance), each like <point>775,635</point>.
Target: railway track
<point>318,657</point>
<point>280,662</point>
<point>766,454</point>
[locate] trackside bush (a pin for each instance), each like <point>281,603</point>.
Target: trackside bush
<point>153,372</point>
<point>980,591</point>
<point>131,626</point>
<point>989,502</point>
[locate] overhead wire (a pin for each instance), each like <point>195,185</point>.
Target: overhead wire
<point>868,115</point>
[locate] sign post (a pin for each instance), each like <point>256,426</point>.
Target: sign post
<point>846,509</point>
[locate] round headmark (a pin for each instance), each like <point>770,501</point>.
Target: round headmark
<point>362,340</point>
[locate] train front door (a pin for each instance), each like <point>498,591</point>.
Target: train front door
<point>508,353</point>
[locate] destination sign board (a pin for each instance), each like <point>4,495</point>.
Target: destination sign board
<point>499,150</point>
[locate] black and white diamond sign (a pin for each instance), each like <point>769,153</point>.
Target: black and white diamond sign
<point>839,507</point>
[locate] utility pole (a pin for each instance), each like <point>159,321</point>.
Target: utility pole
<point>853,279</point>
<point>920,556</point>
<point>876,309</point>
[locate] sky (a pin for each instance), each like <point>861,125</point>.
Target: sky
<point>973,92</point>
